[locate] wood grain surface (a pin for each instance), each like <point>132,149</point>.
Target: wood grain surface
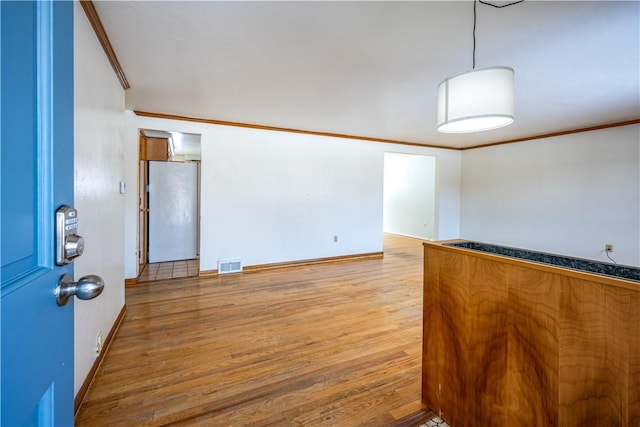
<point>489,328</point>
<point>510,343</point>
<point>602,347</point>
<point>634,361</point>
<point>337,344</point>
<point>532,347</point>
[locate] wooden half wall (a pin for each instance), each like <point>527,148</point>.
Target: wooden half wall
<point>513,343</point>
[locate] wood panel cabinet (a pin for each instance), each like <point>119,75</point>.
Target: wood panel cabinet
<point>513,343</point>
<point>154,148</point>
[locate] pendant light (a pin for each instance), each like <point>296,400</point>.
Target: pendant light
<point>478,99</point>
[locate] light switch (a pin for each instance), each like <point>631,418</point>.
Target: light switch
<point>123,187</point>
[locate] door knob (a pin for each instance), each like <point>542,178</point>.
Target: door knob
<point>88,287</point>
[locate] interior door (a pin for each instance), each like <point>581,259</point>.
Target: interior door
<point>36,109</point>
<point>173,211</point>
<point>142,214</point>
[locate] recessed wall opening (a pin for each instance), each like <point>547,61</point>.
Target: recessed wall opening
<point>169,205</point>
<point>409,206</point>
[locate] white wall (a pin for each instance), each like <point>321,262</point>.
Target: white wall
<point>567,195</point>
<point>409,195</point>
<point>272,197</point>
<point>99,166</point>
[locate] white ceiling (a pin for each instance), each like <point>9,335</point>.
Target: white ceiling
<point>372,68</point>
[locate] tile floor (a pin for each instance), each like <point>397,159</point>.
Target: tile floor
<point>170,270</point>
<point>434,422</point>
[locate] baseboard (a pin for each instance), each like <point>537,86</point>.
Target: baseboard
<point>130,282</point>
<point>305,262</point>
<point>299,263</point>
<point>208,273</point>
<point>96,364</point>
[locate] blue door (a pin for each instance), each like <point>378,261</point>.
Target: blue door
<point>36,128</point>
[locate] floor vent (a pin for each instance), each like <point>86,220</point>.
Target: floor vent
<point>230,266</point>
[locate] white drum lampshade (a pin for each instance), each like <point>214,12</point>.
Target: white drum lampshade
<point>476,100</point>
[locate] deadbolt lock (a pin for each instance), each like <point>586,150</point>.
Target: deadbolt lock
<point>68,244</point>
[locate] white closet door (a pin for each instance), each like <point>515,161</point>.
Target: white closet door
<point>173,211</point>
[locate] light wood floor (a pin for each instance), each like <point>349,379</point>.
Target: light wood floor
<point>327,345</point>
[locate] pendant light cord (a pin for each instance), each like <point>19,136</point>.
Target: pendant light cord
<point>474,33</point>
<point>475,2</point>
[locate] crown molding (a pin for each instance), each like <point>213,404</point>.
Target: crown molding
<point>283,129</point>
<point>559,133</point>
<point>94,20</point>
<point>382,140</point>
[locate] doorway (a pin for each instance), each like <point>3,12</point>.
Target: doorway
<point>409,207</point>
<point>169,205</point>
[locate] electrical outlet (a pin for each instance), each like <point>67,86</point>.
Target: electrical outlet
<point>608,247</point>
<point>99,342</point>
<point>335,239</point>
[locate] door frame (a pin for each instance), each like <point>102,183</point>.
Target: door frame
<point>147,153</point>
<point>143,206</point>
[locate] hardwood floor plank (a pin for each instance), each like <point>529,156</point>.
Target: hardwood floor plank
<point>334,344</point>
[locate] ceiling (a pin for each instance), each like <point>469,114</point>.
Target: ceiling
<point>372,68</point>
